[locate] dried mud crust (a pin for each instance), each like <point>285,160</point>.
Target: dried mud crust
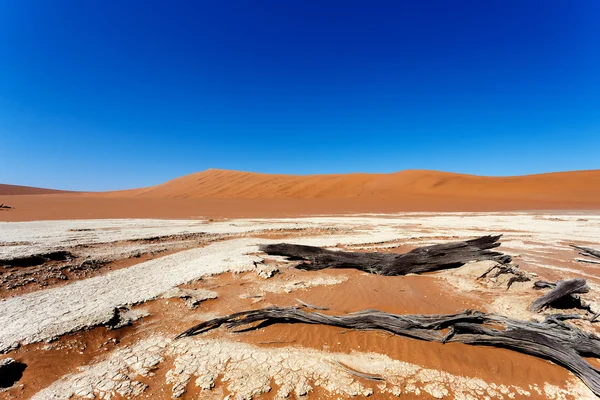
<point>38,271</point>
<point>229,268</point>
<point>25,274</point>
<point>223,362</point>
<point>191,365</point>
<point>248,371</point>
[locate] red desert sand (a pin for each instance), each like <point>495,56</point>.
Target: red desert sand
<point>232,194</point>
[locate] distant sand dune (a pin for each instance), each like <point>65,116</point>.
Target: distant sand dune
<point>11,190</point>
<point>233,194</point>
<point>566,186</point>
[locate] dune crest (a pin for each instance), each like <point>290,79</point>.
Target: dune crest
<point>233,194</point>
<point>12,190</point>
<point>214,183</point>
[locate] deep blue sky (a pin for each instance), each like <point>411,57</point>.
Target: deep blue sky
<point>99,95</point>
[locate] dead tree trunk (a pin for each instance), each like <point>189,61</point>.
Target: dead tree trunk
<point>552,339</point>
<point>587,251</point>
<point>422,259</point>
<point>562,290</point>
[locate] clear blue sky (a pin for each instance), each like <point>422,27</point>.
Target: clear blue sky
<point>99,95</point>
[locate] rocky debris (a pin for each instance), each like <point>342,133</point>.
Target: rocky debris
<point>125,316</point>
<point>36,259</point>
<point>192,297</point>
<point>10,372</point>
<point>265,271</point>
<point>87,265</point>
<point>248,371</point>
<point>48,272</point>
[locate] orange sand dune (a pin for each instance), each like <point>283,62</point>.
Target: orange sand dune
<point>11,190</point>
<point>573,187</point>
<point>218,193</point>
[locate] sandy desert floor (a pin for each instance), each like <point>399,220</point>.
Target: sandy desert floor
<point>90,308</point>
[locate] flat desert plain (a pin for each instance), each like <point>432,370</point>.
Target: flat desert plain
<point>97,288</point>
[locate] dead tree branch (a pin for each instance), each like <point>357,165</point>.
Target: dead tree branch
<point>561,290</point>
<point>552,339</point>
<point>587,251</point>
<point>422,259</point>
<point>500,269</point>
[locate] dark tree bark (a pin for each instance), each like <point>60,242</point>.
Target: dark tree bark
<point>587,251</point>
<point>544,285</point>
<point>422,259</point>
<point>561,290</point>
<point>552,339</point>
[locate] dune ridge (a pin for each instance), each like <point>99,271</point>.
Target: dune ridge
<point>13,190</point>
<point>214,183</point>
<point>234,194</point>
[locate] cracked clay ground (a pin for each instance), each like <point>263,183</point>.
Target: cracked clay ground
<point>100,322</point>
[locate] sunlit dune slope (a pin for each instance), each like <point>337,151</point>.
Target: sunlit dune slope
<point>564,186</point>
<point>232,194</point>
<point>13,190</point>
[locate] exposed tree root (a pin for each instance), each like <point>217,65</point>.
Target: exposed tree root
<point>422,259</point>
<point>500,269</point>
<point>552,339</point>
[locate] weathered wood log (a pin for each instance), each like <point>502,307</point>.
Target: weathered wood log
<point>587,251</point>
<point>583,260</point>
<point>422,259</point>
<point>544,285</point>
<point>561,290</point>
<point>552,339</point>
